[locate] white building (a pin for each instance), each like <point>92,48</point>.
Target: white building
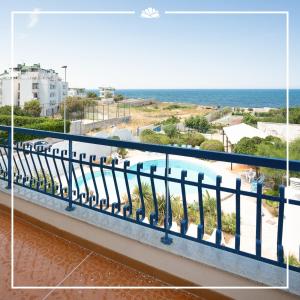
<point>33,82</point>
<point>106,92</point>
<point>77,92</point>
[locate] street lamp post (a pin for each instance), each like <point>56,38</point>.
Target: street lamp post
<point>65,113</point>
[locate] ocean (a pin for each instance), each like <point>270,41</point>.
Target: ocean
<point>219,97</point>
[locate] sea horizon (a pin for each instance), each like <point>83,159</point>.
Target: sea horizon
<point>258,97</point>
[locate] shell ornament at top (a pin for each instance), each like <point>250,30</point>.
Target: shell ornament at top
<point>150,13</point>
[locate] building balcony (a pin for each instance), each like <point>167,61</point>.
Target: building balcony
<point>168,211</point>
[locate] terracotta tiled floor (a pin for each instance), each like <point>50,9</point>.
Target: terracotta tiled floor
<point>41,258</point>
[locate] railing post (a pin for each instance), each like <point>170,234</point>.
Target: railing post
<point>238,214</point>
<point>70,207</point>
<point>280,252</point>
<point>219,211</point>
<point>258,220</point>
<point>9,158</point>
<point>166,239</point>
<point>201,210</point>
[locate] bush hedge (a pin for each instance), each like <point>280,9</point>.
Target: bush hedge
<point>151,137</point>
<point>212,145</point>
<point>20,121</point>
<point>33,123</point>
<point>191,138</point>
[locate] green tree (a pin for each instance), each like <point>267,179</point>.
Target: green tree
<point>118,97</point>
<point>249,119</point>
<point>199,123</point>
<point>171,130</point>
<point>32,108</point>
<point>92,95</point>
<point>247,145</point>
<point>75,107</point>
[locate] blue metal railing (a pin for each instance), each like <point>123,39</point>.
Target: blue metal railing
<point>57,173</point>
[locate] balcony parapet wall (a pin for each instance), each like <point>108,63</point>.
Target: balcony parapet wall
<point>196,263</point>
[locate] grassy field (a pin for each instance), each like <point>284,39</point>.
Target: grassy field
<point>157,112</point>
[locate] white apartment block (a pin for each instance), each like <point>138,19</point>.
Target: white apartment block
<point>77,92</point>
<point>33,82</point>
<point>106,92</point>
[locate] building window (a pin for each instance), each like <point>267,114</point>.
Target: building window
<point>19,96</point>
<point>35,95</point>
<point>19,85</point>
<point>52,94</point>
<point>52,86</point>
<point>35,86</point>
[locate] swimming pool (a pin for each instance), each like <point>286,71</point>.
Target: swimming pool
<point>193,168</point>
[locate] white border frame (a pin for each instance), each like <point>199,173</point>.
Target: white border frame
<point>13,13</point>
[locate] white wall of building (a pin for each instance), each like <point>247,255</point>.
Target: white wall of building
<point>280,130</point>
<point>77,92</point>
<point>104,92</point>
<point>33,82</point>
<point>5,92</point>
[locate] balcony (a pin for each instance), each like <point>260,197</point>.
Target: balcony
<point>191,219</point>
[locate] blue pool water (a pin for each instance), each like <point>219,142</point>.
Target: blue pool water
<point>175,189</point>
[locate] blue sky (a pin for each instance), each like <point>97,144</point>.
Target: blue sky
<point>173,51</point>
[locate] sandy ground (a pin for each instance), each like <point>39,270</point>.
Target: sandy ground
<point>154,113</point>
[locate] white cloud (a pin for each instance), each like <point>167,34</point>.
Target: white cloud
<point>150,13</point>
<point>33,18</point>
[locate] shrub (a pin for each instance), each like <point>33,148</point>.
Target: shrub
<point>193,139</point>
<point>175,106</point>
<point>228,223</point>
<point>293,261</point>
<point>249,119</point>
<point>199,123</point>
<point>109,160</point>
<point>151,137</point>
<point>118,97</point>
<point>171,120</point>
<point>50,186</point>
<point>212,145</point>
<point>6,110</point>
<point>50,125</point>
<point>171,130</point>
<point>115,137</point>
<point>209,203</point>
<point>210,218</point>
<point>92,95</point>
<point>246,146</point>
<point>32,108</point>
<point>122,152</point>
<point>148,200</point>
<point>20,121</point>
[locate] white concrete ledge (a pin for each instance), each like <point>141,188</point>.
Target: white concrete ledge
<point>192,261</point>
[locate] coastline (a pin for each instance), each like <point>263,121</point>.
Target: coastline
<point>243,98</point>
